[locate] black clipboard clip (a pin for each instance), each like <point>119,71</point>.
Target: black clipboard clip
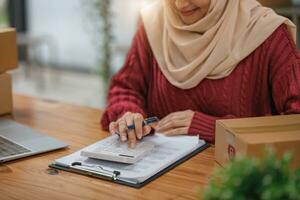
<point>96,169</point>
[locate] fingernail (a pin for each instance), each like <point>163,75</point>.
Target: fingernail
<point>132,145</point>
<point>123,138</point>
<point>140,136</point>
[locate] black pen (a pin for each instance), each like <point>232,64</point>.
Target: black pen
<point>147,121</point>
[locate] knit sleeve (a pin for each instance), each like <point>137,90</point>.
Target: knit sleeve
<point>129,86</point>
<point>204,126</point>
<point>284,72</point>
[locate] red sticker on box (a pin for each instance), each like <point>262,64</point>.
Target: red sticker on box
<point>231,151</point>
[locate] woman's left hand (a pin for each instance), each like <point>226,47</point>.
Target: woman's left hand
<point>176,123</point>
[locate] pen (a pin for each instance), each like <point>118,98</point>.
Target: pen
<point>147,121</point>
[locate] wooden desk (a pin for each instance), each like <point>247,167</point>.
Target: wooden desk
<point>28,178</point>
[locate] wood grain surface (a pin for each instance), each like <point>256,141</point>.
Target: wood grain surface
<point>30,179</point>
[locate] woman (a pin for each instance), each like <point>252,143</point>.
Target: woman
<point>193,62</point>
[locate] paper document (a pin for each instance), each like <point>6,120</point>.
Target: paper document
<point>167,150</point>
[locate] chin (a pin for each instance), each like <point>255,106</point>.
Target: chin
<point>190,21</point>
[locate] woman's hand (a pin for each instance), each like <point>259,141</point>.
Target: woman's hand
<point>132,135</point>
<point>176,123</point>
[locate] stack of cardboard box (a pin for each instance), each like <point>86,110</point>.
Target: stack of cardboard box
<point>8,61</point>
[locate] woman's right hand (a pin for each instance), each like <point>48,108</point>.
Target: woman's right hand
<point>132,135</point>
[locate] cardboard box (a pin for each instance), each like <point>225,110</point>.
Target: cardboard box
<point>8,49</point>
<point>251,136</point>
<point>6,104</point>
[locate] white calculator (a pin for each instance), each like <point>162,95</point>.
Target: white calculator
<point>112,149</point>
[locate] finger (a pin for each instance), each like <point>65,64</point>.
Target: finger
<point>177,131</point>
<point>164,120</point>
<point>153,125</point>
<point>123,130</point>
<point>170,117</point>
<point>138,123</point>
<point>113,128</point>
<point>181,115</point>
<point>131,132</point>
<point>146,130</point>
<point>173,123</point>
<point>123,116</point>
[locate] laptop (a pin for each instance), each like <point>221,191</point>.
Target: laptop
<point>18,141</point>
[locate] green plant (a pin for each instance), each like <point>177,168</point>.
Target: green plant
<point>100,16</point>
<point>3,14</point>
<point>257,179</point>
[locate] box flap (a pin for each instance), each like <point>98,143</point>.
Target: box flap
<point>270,137</point>
<point>279,123</point>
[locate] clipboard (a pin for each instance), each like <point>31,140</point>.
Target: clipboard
<point>112,176</point>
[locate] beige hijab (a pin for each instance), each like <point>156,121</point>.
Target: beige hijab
<point>212,47</point>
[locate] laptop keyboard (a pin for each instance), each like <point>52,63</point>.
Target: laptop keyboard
<point>8,148</point>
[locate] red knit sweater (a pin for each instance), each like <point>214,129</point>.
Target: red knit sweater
<point>267,82</point>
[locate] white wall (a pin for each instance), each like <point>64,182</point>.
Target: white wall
<point>63,21</point>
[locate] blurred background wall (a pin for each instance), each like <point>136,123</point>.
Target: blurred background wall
<point>62,44</point>
<point>67,23</point>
